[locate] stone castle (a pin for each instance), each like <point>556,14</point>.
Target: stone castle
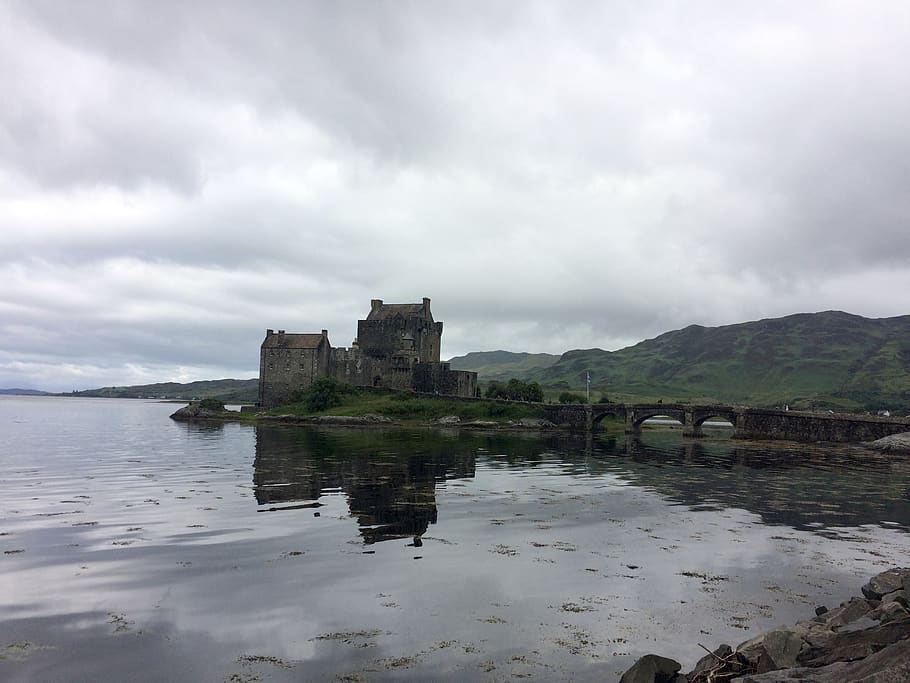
<point>397,346</point>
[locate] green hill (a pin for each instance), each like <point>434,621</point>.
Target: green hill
<point>502,365</point>
<point>226,390</point>
<point>820,360</point>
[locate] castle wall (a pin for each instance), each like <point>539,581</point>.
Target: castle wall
<point>387,337</point>
<point>285,367</point>
<point>439,378</point>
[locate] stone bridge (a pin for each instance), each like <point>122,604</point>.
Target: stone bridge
<point>748,423</point>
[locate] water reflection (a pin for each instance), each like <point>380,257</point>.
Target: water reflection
<point>390,479</point>
<point>392,494</point>
<point>803,486</point>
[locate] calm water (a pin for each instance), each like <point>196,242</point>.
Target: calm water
<point>136,548</point>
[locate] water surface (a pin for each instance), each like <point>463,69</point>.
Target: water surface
<point>137,548</point>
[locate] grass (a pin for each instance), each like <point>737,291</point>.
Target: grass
<point>410,407</point>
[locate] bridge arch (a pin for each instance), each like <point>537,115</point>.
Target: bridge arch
<point>702,414</point>
<point>599,411</point>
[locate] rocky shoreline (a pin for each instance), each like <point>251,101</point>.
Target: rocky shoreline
<point>866,639</point>
<point>198,411</point>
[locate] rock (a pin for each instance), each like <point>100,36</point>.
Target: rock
<point>196,411</point>
<point>828,674</point>
<point>852,645</point>
<point>820,610</point>
<point>448,420</point>
<point>886,582</point>
<point>896,596</point>
<point>889,665</point>
<point>779,649</point>
<point>893,611</point>
<point>652,669</point>
<point>896,443</point>
<point>366,419</point>
<point>848,611</point>
<point>710,661</point>
<point>534,423</point>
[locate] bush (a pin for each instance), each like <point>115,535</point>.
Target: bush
<point>212,404</point>
<point>323,394</point>
<point>569,397</point>
<point>516,390</point>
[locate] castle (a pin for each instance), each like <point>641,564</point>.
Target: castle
<point>397,346</point>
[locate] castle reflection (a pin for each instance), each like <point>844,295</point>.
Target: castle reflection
<point>391,490</point>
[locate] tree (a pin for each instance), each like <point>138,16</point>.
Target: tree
<point>515,390</point>
<point>324,393</point>
<point>569,397</point>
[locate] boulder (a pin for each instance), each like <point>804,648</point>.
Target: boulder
<point>448,420</point>
<point>534,423</point>
<point>889,665</point>
<point>710,661</point>
<point>851,645</point>
<point>853,609</point>
<point>197,411</point>
<point>895,443</point>
<point>886,582</point>
<point>779,649</point>
<point>653,669</point>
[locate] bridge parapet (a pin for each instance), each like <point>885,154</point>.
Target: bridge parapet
<point>749,423</point>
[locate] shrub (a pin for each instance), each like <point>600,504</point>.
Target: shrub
<point>212,404</point>
<point>516,390</point>
<point>569,397</point>
<point>323,394</point>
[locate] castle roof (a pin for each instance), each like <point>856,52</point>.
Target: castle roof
<point>384,311</point>
<point>292,341</point>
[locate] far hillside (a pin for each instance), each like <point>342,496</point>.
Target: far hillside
<point>502,365</point>
<point>809,360</point>
<point>225,390</point>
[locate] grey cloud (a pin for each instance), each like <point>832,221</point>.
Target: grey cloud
<point>182,176</point>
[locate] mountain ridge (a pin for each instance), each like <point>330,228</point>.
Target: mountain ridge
<point>829,359</point>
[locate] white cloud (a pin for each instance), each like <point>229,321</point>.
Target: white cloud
<point>176,178</point>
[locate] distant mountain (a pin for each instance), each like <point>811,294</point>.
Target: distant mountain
<point>829,359</point>
<point>23,392</point>
<point>227,390</point>
<point>502,365</point>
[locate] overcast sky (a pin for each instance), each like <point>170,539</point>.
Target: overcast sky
<point>176,177</point>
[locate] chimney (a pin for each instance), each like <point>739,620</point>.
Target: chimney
<point>426,304</point>
<point>375,304</point>
<point>280,331</point>
<point>325,333</point>
<point>269,332</point>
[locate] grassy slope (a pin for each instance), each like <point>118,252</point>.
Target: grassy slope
<point>819,359</point>
<point>228,390</point>
<point>408,407</point>
<point>502,365</point>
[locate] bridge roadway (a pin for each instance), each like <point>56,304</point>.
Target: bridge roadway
<point>748,423</point>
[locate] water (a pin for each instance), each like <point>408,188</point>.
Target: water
<point>137,548</point>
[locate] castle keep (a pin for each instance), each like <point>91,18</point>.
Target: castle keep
<point>397,346</point>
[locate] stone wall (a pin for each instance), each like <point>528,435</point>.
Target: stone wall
<point>288,363</point>
<point>439,378</point>
<point>754,423</point>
